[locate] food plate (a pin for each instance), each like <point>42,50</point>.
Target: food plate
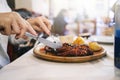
<point>50,57</point>
<point>102,39</point>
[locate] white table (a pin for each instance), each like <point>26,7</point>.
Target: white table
<point>28,67</point>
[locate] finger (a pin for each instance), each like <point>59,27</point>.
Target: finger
<point>22,32</point>
<point>43,26</point>
<point>36,28</point>
<point>23,28</point>
<point>13,32</point>
<point>25,37</point>
<point>48,25</point>
<point>7,30</point>
<point>17,36</point>
<point>18,17</point>
<point>15,27</point>
<point>47,22</point>
<point>30,29</point>
<point>22,25</point>
<point>34,24</point>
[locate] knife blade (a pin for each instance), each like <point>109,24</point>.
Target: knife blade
<point>45,41</point>
<point>50,43</point>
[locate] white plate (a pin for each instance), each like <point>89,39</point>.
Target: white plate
<point>102,39</point>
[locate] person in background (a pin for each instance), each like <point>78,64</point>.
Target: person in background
<point>13,23</point>
<point>60,22</point>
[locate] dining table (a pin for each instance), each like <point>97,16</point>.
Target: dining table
<point>30,67</point>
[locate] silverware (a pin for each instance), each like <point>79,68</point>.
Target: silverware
<point>46,42</point>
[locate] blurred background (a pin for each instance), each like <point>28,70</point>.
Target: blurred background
<point>68,17</point>
<point>74,17</point>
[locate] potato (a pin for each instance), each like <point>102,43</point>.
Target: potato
<point>94,46</point>
<point>78,41</point>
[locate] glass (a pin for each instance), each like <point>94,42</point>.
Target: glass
<point>117,34</point>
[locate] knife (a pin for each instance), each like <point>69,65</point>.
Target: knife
<point>45,41</point>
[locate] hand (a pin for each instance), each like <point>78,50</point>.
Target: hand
<point>13,23</point>
<point>40,24</point>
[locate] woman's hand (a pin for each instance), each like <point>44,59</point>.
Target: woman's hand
<point>40,24</point>
<point>13,23</point>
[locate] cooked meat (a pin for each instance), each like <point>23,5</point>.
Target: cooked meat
<point>70,50</point>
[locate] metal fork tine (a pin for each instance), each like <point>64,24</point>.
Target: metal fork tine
<point>36,43</point>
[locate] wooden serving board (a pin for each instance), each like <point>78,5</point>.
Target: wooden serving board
<point>42,55</point>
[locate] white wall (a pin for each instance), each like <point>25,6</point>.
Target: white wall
<point>39,6</point>
<point>23,4</point>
